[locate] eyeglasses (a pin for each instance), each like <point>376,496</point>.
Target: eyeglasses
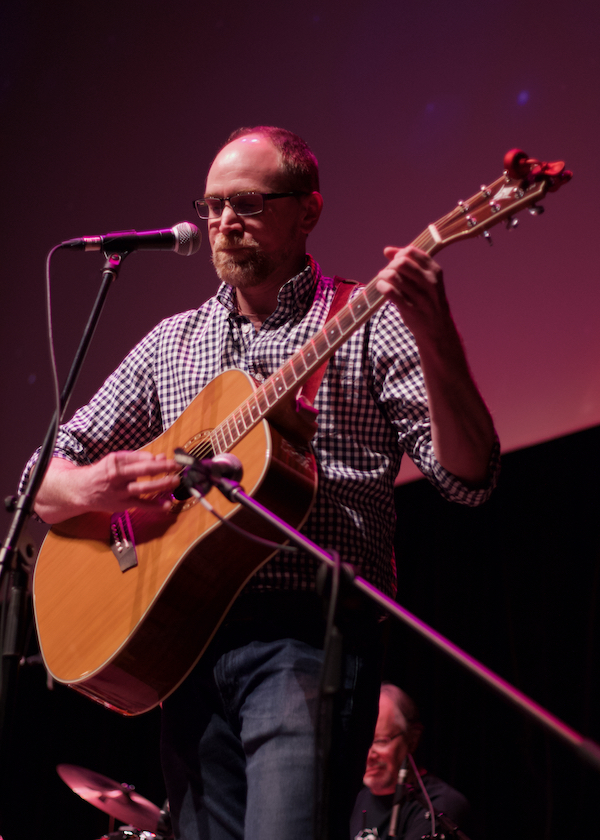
<point>242,204</point>
<point>385,742</point>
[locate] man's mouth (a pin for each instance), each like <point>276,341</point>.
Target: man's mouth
<point>374,768</point>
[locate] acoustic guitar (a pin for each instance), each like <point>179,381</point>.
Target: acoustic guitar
<point>125,604</point>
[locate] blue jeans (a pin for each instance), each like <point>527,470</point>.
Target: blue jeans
<point>238,741</point>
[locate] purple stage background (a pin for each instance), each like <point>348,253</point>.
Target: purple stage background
<point>112,112</point>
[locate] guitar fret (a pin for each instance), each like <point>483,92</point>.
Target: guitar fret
<point>224,434</point>
<point>239,422</point>
<point>289,375</point>
<point>279,384</point>
<point>333,333</point>
<point>373,295</point>
<point>269,390</point>
<point>321,344</point>
<point>298,363</point>
<point>255,412</point>
<point>261,399</point>
<point>346,319</point>
<point>358,306</point>
<point>232,429</point>
<point>426,241</point>
<point>219,443</point>
<point>245,409</point>
<point>309,354</point>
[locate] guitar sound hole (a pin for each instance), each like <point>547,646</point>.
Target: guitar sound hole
<point>181,492</point>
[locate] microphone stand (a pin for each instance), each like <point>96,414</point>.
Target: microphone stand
<point>18,547</point>
<point>586,748</point>
<point>450,828</point>
<point>198,481</point>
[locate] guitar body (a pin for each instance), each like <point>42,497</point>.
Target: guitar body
<point>127,639</point>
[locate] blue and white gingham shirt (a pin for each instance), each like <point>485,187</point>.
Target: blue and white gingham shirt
<point>372,408</point>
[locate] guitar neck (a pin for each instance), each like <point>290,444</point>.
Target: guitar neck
<point>523,183</point>
<point>298,369</point>
<point>301,366</point>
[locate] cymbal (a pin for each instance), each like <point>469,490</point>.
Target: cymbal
<point>119,800</point>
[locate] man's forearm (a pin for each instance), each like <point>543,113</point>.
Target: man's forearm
<point>463,432</point>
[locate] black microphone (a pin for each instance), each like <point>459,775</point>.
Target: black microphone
<point>202,475</point>
<point>184,238</point>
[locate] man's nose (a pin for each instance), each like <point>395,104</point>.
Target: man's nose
<point>229,220</point>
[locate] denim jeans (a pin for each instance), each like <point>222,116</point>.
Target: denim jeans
<point>238,741</point>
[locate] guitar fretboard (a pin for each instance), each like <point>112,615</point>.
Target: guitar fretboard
<point>294,373</point>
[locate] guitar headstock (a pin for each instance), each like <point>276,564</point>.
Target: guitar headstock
<point>524,183</point>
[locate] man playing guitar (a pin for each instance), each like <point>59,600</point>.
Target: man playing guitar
<point>238,732</point>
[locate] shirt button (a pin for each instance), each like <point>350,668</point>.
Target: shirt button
<point>259,377</point>
<point>246,328</point>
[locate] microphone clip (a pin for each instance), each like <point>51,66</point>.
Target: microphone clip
<point>201,475</point>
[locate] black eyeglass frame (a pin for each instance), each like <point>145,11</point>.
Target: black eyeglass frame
<point>264,197</point>
<point>387,740</point>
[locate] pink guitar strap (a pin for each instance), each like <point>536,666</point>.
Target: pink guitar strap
<point>343,288</point>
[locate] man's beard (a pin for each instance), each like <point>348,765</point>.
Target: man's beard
<point>247,268</point>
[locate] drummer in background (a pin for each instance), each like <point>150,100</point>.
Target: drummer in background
<point>397,736</point>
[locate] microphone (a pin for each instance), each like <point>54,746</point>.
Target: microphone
<point>184,238</point>
<point>202,475</point>
<point>398,798</point>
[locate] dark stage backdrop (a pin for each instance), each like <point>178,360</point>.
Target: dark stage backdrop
<point>515,583</point>
<point>111,113</point>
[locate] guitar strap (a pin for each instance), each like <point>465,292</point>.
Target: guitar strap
<point>343,288</point>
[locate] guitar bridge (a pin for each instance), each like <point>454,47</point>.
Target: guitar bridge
<point>122,543</point>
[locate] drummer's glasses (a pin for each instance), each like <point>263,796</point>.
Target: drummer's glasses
<point>382,743</point>
<point>242,204</point>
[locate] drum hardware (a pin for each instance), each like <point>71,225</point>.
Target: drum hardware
<point>143,820</point>
<point>128,832</point>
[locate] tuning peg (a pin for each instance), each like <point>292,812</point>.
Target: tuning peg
<point>487,236</point>
<point>512,223</point>
<point>536,209</point>
<point>516,164</point>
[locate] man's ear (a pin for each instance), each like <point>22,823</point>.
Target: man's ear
<point>312,206</point>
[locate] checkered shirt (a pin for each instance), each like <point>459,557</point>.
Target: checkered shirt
<point>372,409</point>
